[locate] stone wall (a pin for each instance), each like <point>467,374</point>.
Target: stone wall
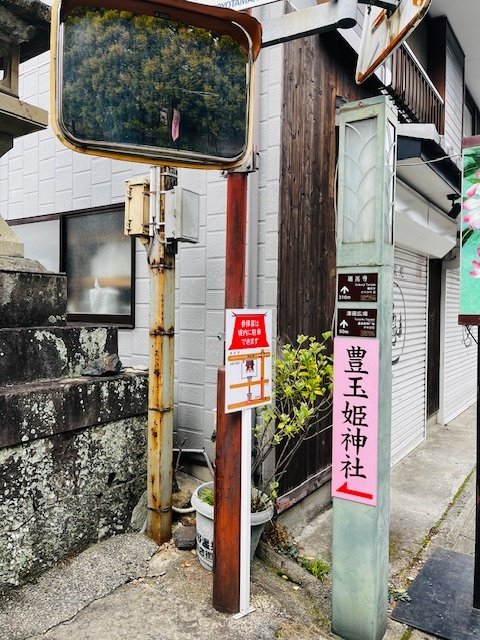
<point>60,493</point>
<point>72,446</point>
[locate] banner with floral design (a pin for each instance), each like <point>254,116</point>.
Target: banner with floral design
<point>470,233</point>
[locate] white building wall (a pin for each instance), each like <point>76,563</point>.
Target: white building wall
<point>40,177</point>
<point>454,90</point>
<point>458,381</point>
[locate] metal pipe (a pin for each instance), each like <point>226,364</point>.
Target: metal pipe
<point>253,204</point>
<point>476,572</point>
<point>161,263</point>
<point>226,535</point>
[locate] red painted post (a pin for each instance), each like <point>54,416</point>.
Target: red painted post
<point>226,533</point>
<point>236,240</point>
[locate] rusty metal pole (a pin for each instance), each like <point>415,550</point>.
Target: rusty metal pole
<point>226,534</point>
<point>476,558</point>
<point>161,263</point>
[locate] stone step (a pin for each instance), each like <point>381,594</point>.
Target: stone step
<point>41,409</point>
<point>29,354</point>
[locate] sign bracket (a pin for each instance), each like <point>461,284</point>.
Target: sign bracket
<point>328,16</point>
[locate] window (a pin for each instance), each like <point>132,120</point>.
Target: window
<point>41,241</point>
<point>90,247</point>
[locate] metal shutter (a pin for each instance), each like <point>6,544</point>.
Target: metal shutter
<point>458,386</point>
<point>409,353</point>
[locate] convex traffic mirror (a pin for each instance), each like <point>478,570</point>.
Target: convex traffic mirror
<point>152,81</point>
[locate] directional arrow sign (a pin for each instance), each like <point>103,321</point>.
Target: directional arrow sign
<point>344,324</point>
<point>357,287</point>
<point>351,492</point>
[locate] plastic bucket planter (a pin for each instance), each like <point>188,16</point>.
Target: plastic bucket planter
<point>205,527</point>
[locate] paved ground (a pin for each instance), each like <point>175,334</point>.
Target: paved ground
<point>126,588</point>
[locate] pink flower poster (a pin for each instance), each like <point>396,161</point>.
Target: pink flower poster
<point>355,419</point>
<point>470,238</point>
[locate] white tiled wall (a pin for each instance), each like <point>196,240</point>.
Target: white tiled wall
<point>40,176</point>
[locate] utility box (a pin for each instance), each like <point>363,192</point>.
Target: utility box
<point>181,215</point>
<point>137,207</point>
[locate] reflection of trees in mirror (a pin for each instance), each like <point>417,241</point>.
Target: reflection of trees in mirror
<point>146,81</point>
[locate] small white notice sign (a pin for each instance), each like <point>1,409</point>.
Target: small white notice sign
<point>248,358</point>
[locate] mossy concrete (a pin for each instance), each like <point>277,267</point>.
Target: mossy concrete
<point>37,410</point>
<point>61,493</point>
<point>31,298</point>
<point>38,353</point>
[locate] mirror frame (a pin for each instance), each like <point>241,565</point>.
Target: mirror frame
<point>226,21</point>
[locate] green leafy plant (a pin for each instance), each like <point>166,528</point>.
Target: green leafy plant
<point>316,566</point>
<point>398,595</point>
<point>303,375</point>
<point>279,538</point>
<point>208,496</point>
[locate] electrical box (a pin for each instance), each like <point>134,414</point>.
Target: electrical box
<point>137,206</point>
<point>181,215</point>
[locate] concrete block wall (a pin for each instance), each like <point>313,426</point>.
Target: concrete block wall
<point>40,177</point>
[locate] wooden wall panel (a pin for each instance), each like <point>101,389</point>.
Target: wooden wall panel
<point>317,70</point>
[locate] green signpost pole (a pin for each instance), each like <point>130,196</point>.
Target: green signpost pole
<point>366,187</point>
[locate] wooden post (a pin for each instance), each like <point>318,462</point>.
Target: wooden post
<point>226,533</point>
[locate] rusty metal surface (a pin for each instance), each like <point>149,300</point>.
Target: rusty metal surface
<point>226,539</point>
<point>226,524</point>
<point>160,391</point>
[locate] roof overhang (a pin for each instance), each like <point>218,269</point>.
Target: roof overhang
<point>420,226</point>
<point>425,165</point>
<point>26,23</point>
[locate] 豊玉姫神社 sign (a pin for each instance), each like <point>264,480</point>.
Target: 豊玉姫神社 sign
<point>355,419</point>
<point>469,312</point>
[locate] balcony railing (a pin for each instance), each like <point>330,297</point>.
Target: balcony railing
<point>413,90</point>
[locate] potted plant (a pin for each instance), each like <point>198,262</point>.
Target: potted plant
<point>302,399</point>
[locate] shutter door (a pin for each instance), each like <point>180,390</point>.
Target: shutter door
<point>409,353</point>
<point>459,355</point>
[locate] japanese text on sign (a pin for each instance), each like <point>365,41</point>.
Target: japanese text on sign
<point>248,359</point>
<point>249,331</point>
<point>355,420</point>
<point>357,287</point>
<point>357,322</point>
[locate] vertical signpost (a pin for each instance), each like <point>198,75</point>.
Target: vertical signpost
<point>248,384</point>
<point>362,357</point>
<point>470,296</point>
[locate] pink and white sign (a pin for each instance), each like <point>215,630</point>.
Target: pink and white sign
<point>248,358</point>
<point>355,419</point>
